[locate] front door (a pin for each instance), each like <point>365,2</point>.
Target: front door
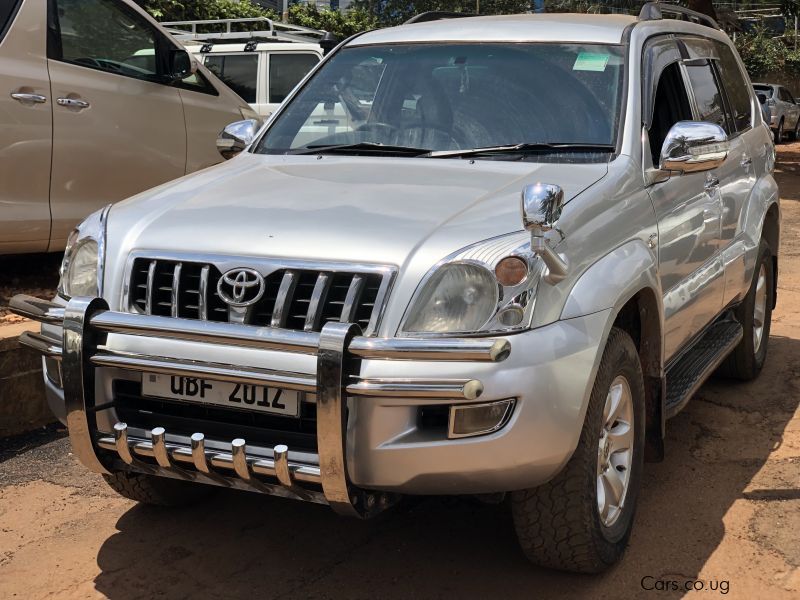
<point>118,128</point>
<point>25,129</point>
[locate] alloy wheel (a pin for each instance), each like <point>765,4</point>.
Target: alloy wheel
<point>615,451</point>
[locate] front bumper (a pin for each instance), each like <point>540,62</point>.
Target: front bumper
<point>368,392</point>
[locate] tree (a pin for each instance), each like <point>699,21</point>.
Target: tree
<point>192,10</point>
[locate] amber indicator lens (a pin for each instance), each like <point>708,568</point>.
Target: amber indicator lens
<point>512,270</point>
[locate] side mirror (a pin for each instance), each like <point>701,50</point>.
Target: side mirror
<point>693,146</point>
<point>761,98</point>
<point>541,209</point>
<point>181,64</point>
<point>236,137</point>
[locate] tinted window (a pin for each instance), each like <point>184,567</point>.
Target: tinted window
<point>786,96</point>
<point>238,71</point>
<point>104,35</point>
<point>764,89</point>
<point>707,95</point>
<point>736,87</point>
<point>286,71</point>
<point>671,105</point>
<point>8,9</point>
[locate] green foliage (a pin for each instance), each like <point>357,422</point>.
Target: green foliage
<point>342,25</point>
<point>394,12</point>
<point>191,10</point>
<point>762,54</point>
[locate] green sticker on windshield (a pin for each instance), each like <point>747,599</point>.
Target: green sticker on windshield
<point>590,61</point>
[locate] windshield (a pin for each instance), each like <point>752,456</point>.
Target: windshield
<point>448,97</point>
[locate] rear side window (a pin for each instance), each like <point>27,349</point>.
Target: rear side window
<point>764,89</point>
<point>707,95</point>
<point>286,71</point>
<point>238,71</point>
<point>736,87</point>
<point>786,96</point>
<point>104,35</point>
<point>8,9</point>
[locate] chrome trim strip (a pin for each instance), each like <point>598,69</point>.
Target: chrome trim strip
<point>318,296</point>
<point>218,372</point>
<point>79,342</point>
<point>148,300</point>
<point>176,287</point>
<point>199,460</point>
<point>351,300</point>
<point>202,303</point>
<point>285,292</point>
<point>282,472</point>
<point>467,389</point>
<point>42,344</point>
<point>101,248</point>
<point>380,304</point>
<point>33,308</point>
<point>457,349</point>
<point>121,442</point>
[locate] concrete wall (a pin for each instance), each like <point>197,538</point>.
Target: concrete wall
<point>22,401</point>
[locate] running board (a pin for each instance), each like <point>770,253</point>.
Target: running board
<point>686,376</point>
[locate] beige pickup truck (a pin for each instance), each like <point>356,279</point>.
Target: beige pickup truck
<point>97,103</point>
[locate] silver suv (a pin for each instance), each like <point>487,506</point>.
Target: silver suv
<point>522,246</point>
<point>784,112</point>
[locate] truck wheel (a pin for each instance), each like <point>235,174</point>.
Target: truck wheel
<point>581,519</point>
<point>159,491</point>
<point>755,315</point>
<point>779,133</point>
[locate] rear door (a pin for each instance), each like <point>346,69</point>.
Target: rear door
<point>239,71</point>
<point>792,110</point>
<point>118,127</point>
<point>285,71</point>
<point>25,128</point>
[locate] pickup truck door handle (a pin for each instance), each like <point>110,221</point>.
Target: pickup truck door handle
<point>72,103</point>
<point>712,182</point>
<point>25,97</point>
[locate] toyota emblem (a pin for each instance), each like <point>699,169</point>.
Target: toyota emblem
<point>241,287</point>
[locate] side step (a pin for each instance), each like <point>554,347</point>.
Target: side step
<point>686,376</point>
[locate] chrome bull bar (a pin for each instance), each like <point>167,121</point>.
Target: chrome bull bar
<point>339,347</point>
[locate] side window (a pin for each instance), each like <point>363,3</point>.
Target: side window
<point>238,71</point>
<point>786,96</point>
<point>8,10</point>
<point>736,87</point>
<point>671,105</point>
<point>286,71</point>
<point>707,95</point>
<point>105,35</point>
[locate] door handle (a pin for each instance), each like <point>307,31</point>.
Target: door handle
<point>712,181</point>
<point>72,103</point>
<point>26,97</point>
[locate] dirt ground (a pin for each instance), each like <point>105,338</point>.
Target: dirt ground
<point>34,274</point>
<point>722,513</point>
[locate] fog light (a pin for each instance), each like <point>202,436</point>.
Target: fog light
<point>479,419</point>
<point>511,316</point>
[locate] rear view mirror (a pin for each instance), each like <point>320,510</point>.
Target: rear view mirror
<point>693,146</point>
<point>181,64</point>
<point>236,137</point>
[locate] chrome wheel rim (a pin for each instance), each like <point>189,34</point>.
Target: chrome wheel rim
<point>760,309</point>
<point>615,451</point>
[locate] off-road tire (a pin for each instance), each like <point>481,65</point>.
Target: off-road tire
<point>558,524</point>
<point>744,363</point>
<point>158,491</point>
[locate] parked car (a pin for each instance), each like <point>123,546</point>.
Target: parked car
<point>262,65</point>
<point>766,114</point>
<point>784,117</point>
<point>458,291</point>
<point>97,103</point>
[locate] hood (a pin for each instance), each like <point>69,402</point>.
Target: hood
<point>405,212</point>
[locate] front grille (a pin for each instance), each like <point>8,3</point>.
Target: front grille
<point>185,418</point>
<point>303,299</point>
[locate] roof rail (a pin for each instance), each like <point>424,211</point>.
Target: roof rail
<point>436,15</point>
<point>653,11</point>
<point>270,31</point>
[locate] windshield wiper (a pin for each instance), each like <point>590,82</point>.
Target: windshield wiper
<point>521,149</point>
<point>370,147</point>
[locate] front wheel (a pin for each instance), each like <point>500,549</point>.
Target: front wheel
<point>581,520</point>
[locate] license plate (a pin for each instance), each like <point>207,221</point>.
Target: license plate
<point>221,393</point>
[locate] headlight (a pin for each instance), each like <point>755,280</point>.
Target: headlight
<point>82,268</point>
<point>458,297</point>
<point>485,288</point>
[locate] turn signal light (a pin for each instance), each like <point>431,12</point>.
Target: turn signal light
<point>510,271</point>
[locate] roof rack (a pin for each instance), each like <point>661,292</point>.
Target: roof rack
<point>653,11</point>
<point>270,31</point>
<point>437,15</point>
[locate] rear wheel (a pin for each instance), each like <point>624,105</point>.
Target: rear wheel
<point>581,519</point>
<point>779,133</point>
<point>796,133</point>
<point>159,491</point>
<point>755,315</point>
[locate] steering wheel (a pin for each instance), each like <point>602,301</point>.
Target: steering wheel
<point>372,126</point>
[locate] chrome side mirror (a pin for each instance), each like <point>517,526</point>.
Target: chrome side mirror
<point>693,146</point>
<point>236,137</point>
<point>541,210</point>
